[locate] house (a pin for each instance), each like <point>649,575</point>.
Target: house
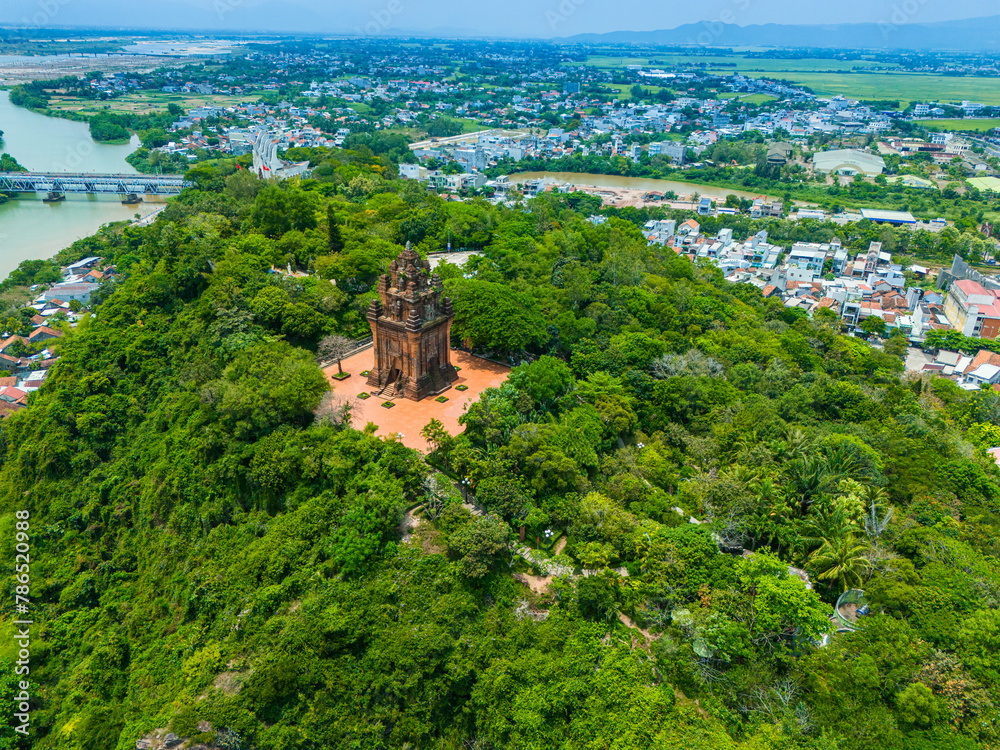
<point>778,154</point>
<point>69,292</point>
<point>807,256</point>
<point>971,309</point>
<point>44,333</point>
<point>9,342</point>
<point>12,364</point>
<point>7,408</point>
<point>17,396</point>
<point>75,269</point>
<point>984,374</point>
<point>689,227</point>
<point>983,357</point>
<point>34,380</point>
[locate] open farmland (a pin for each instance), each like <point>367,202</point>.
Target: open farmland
<point>979,126</point>
<point>857,79</point>
<point>905,87</point>
<point>146,102</point>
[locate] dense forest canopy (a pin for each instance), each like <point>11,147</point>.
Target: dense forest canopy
<point>217,551</point>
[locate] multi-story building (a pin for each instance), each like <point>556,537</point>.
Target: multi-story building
<point>972,309</point>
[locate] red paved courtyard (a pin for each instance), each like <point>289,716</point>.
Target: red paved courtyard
<point>409,417</point>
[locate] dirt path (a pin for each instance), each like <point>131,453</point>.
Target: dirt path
<point>411,522</point>
<point>647,637</point>
<point>538,584</point>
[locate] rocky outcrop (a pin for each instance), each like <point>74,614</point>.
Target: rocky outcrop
<point>163,739</point>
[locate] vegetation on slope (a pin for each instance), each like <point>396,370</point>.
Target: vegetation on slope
<point>211,542</point>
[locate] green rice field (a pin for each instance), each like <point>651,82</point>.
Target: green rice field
<point>851,78</point>
<point>979,126</point>
<point>750,99</point>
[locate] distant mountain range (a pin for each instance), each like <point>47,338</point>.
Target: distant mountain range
<point>896,32</point>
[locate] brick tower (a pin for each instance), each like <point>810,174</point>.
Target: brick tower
<point>411,326</point>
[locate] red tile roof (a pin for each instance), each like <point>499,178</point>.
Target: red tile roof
<point>10,341</point>
<point>44,331</point>
<point>984,357</point>
<point>10,393</point>
<point>7,408</point>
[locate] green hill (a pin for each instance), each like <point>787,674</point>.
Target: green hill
<point>215,553</point>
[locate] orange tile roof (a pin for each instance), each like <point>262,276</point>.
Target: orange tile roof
<point>984,357</point>
<point>44,330</point>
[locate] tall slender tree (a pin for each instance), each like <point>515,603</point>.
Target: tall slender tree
<point>335,240</point>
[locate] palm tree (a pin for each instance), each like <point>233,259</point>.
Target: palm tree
<point>807,479</point>
<point>841,463</point>
<point>825,523</point>
<point>842,560</point>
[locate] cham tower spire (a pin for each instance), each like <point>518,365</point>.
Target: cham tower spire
<point>411,328</point>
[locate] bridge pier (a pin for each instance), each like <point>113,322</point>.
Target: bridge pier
<point>131,199</point>
<point>54,196</point>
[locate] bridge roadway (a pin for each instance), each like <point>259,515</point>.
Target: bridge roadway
<point>58,184</point>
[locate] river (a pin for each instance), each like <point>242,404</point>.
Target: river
<point>631,183</point>
<point>32,229</point>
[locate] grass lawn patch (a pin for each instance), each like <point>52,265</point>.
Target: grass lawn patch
<point>365,373</point>
<point>341,375</point>
<point>462,387</point>
<point>388,404</point>
<point>441,399</point>
<point>364,395</point>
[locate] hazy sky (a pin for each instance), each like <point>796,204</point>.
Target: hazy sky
<point>534,18</point>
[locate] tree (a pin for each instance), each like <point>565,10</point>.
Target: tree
<point>544,380</point>
<point>596,597</point>
<point>493,316</point>
<point>777,602</point>
<point>269,304</point>
<point>439,439</point>
<point>873,326</point>
<point>896,344</point>
<point>502,495</point>
<point>917,705</point>
<point>302,322</point>
<point>335,348</point>
<point>277,210</point>
<point>481,545</point>
<point>842,560</point>
<point>335,241</point>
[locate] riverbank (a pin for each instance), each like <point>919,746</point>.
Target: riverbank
<point>33,230</point>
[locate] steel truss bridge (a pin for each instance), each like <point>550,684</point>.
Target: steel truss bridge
<point>58,184</point>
